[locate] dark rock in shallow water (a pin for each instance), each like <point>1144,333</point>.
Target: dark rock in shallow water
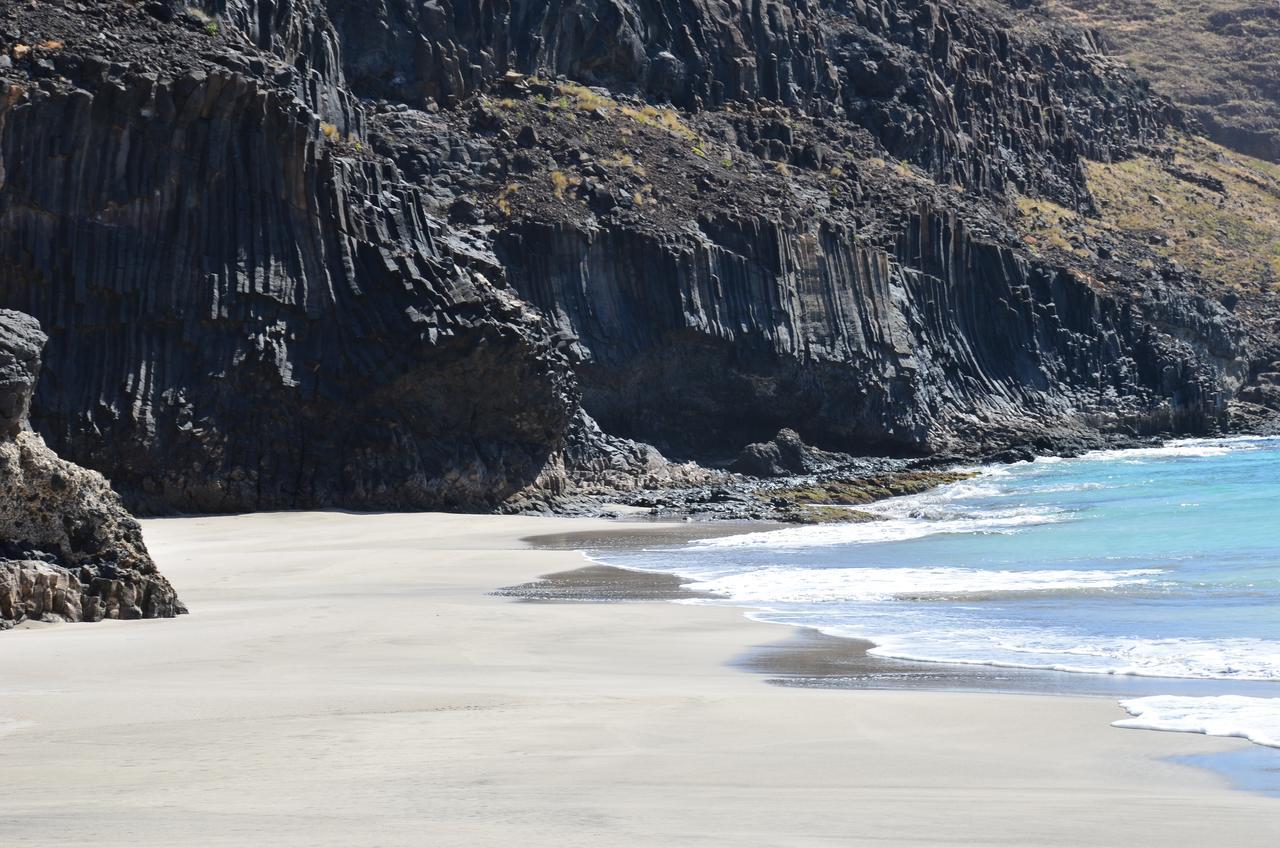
<point>68,549</point>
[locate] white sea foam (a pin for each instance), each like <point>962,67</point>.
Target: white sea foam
<point>1255,719</point>
<point>824,585</point>
<point>903,520</point>
<point>938,608</point>
<point>1049,650</point>
<point>1182,448</point>
<point>1068,487</point>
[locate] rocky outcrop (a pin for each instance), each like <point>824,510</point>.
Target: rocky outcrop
<point>786,455</point>
<point>68,549</point>
<point>323,253</point>
<point>274,319</point>
<point>1215,59</point>
<point>727,335</point>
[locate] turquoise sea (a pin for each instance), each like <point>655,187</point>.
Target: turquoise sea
<point>1161,563</point>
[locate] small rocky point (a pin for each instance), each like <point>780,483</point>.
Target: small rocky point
<point>69,551</point>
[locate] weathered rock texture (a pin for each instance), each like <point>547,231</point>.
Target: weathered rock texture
<point>332,253</point>
<point>728,334</point>
<point>68,549</point>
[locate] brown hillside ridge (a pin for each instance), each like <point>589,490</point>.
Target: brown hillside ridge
<point>1215,58</point>
<point>1196,203</point>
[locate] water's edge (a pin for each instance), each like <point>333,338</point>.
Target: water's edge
<point>1147,576</point>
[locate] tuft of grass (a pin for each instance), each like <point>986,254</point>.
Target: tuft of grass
<point>211,28</point>
<point>625,160</point>
<point>1042,223</point>
<point>561,182</point>
<point>584,99</point>
<point>330,131</point>
<point>662,118</point>
<point>504,199</point>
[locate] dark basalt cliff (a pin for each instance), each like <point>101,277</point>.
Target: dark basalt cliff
<point>321,252</point>
<point>240,317</point>
<point>68,549</point>
<point>725,336</point>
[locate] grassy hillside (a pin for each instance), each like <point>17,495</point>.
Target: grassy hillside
<point>1212,210</point>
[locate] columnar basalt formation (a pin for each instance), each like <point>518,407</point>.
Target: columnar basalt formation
<point>320,253</point>
<point>243,317</point>
<point>725,336</point>
<point>68,549</point>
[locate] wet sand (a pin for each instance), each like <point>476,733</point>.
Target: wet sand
<point>352,680</point>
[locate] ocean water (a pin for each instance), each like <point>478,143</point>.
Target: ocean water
<point>1160,562</point>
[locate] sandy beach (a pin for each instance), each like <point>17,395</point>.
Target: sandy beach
<point>349,680</point>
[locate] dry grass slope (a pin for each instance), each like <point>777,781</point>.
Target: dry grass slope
<point>1215,211</point>
<point>1215,58</point>
<point>1233,234</point>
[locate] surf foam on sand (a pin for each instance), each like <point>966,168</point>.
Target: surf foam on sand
<point>1255,719</point>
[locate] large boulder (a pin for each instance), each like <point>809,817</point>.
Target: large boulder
<point>784,455</point>
<point>69,551</point>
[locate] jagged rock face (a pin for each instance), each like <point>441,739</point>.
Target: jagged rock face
<point>254,300</point>
<point>937,84</point>
<point>1215,58</point>
<point>243,317</point>
<point>20,346</point>
<point>68,549</point>
<point>724,337</point>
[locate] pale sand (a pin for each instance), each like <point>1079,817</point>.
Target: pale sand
<point>346,680</point>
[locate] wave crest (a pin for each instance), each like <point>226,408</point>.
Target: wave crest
<point>834,585</point>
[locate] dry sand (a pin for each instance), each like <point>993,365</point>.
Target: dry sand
<point>347,680</point>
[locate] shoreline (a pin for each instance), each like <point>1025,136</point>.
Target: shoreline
<point>350,679</point>
<point>808,658</point>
